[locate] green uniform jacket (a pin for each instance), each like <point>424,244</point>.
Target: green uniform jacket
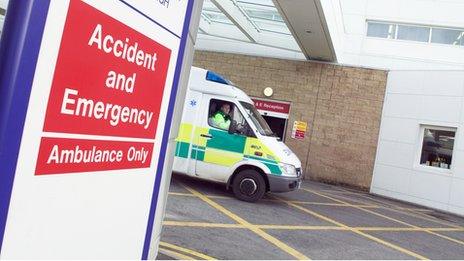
<point>221,120</point>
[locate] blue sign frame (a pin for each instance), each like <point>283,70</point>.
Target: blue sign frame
<point>19,51</point>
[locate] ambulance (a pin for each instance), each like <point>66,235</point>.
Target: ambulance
<point>247,156</point>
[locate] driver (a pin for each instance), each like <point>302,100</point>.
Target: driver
<point>221,118</point>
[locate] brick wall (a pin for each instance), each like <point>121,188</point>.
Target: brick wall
<point>342,106</point>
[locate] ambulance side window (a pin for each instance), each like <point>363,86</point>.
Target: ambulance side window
<point>219,114</point>
<point>223,113</point>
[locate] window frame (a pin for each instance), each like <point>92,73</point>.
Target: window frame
<point>381,22</point>
<point>431,169</point>
<point>446,28</point>
<point>397,24</point>
<point>413,25</point>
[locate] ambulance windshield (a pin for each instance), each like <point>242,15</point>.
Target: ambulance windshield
<point>257,119</point>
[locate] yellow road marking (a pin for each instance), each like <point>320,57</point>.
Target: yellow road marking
<point>273,200</point>
<point>289,227</point>
<point>201,224</point>
<point>302,227</point>
<point>354,230</point>
<point>415,209</point>
<point>251,227</point>
<point>174,254</point>
<point>181,194</point>
<point>191,195</point>
<point>408,212</point>
<point>187,251</point>
<point>389,218</point>
<point>330,204</point>
<point>393,229</point>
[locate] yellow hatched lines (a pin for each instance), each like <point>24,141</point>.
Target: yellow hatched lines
<point>302,227</point>
<point>389,218</point>
<point>182,253</point>
<point>266,199</point>
<point>259,229</point>
<point>281,245</point>
<point>406,211</point>
<point>356,231</point>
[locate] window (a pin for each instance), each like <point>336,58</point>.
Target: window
<point>413,33</point>
<point>257,119</point>
<point>437,147</point>
<point>416,33</point>
<point>447,36</point>
<point>381,30</point>
<point>226,116</point>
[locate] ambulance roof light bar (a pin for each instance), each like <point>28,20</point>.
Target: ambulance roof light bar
<point>215,77</point>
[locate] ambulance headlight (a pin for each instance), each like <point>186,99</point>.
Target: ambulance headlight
<point>288,170</point>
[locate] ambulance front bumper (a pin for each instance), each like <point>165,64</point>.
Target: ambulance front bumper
<point>284,184</point>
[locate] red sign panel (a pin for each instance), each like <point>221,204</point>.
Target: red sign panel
<point>109,79</point>
<point>58,155</point>
<point>298,134</point>
<point>272,106</point>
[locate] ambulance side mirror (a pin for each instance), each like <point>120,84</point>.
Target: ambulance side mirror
<point>233,127</point>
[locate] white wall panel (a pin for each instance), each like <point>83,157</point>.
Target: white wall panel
<point>354,24</point>
<point>354,43</point>
<point>406,82</point>
<point>396,54</point>
<point>444,83</point>
<point>403,157</point>
<point>434,187</point>
<point>349,59</point>
<point>399,130</point>
<point>404,106</point>
<point>415,98</point>
<point>392,178</point>
<point>457,193</point>
<point>450,13</point>
<point>409,9</point>
<point>458,164</point>
<point>427,202</point>
<point>457,210</point>
<point>383,8</point>
<point>375,61</point>
<point>354,6</point>
<point>462,111</point>
<point>460,138</point>
<point>439,108</point>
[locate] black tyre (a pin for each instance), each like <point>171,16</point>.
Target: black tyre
<point>249,185</point>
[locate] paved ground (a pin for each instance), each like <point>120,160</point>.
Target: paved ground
<point>204,221</point>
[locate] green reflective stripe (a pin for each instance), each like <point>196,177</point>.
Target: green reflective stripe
<point>271,164</point>
<point>222,140</point>
<point>182,149</point>
<point>198,155</point>
<point>275,169</point>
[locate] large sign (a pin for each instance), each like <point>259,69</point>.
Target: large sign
<point>101,81</point>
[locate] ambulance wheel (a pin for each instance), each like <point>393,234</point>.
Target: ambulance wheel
<point>249,185</point>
